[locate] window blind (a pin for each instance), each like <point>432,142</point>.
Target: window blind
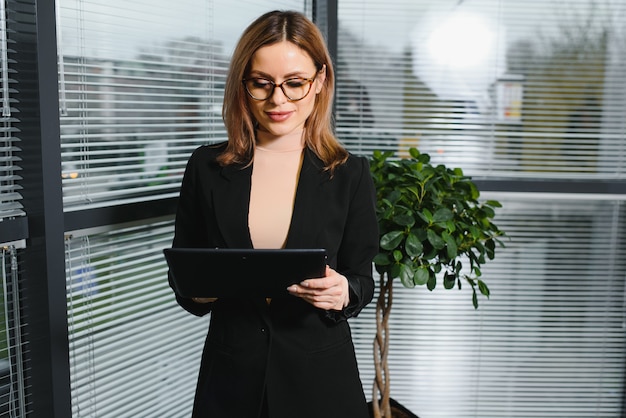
<point>545,102</point>
<point>133,351</point>
<point>548,343</point>
<point>10,197</point>
<point>13,394</point>
<point>141,86</point>
<point>518,89</point>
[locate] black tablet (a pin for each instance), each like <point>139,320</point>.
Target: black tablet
<point>220,272</point>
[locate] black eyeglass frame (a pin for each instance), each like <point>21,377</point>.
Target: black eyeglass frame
<point>274,85</point>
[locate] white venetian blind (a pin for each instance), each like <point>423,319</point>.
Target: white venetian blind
<point>504,90</point>
<point>133,351</point>
<point>549,342</point>
<point>501,88</point>
<point>141,86</point>
<point>14,398</point>
<point>10,196</point>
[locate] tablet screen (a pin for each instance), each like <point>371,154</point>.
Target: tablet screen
<point>220,272</point>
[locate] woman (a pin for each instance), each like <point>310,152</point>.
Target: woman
<point>281,181</point>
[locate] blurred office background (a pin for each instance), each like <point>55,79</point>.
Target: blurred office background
<point>104,100</point>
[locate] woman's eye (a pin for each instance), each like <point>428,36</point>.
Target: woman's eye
<point>296,82</point>
<point>261,83</point>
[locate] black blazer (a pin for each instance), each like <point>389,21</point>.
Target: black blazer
<point>301,357</point>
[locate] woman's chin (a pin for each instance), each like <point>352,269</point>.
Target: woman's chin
<point>277,129</point>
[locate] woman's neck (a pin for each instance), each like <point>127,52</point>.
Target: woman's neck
<point>289,142</point>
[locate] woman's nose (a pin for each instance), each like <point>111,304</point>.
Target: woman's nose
<point>278,96</point>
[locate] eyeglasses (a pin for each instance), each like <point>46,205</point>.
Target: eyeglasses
<point>294,89</point>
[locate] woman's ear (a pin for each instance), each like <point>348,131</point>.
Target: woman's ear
<point>321,78</point>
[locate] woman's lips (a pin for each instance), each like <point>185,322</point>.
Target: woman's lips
<point>278,116</point>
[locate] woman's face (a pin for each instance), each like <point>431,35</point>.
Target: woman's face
<point>279,62</point>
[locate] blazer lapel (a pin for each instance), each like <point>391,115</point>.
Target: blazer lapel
<point>231,201</point>
<point>308,205</point>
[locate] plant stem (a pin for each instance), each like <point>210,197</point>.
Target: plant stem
<point>381,387</point>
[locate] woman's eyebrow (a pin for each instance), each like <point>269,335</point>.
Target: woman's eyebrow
<point>261,74</point>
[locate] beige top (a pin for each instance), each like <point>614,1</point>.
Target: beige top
<point>275,173</point>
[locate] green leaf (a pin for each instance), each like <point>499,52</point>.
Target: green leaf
<point>414,152</point>
<point>414,191</point>
<point>430,254</point>
<point>381,260</point>
<point>435,240</point>
<point>423,158</point>
<point>388,212</point>
<point>391,240</point>
<point>493,203</point>
<point>421,275</point>
<point>449,280</point>
<point>432,281</point>
<point>397,255</point>
<point>443,215</point>
<point>404,220</point>
<point>413,245</point>
<point>491,249</point>
<point>482,286</point>
<point>474,298</point>
<point>474,190</point>
<point>423,217</point>
<point>406,276</point>
<point>451,246</point>
<point>420,234</point>
<point>394,271</point>
<point>490,213</point>
<point>394,196</point>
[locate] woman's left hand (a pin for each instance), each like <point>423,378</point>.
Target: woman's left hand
<point>329,293</point>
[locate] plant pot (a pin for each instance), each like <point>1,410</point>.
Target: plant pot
<point>397,410</point>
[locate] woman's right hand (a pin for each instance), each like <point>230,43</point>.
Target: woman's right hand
<point>204,300</point>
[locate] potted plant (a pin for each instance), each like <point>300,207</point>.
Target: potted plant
<point>430,222</point>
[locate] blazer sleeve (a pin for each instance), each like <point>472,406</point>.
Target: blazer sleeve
<point>359,244</point>
<point>189,226</point>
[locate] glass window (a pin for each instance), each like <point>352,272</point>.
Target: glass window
<point>503,89</point>
<point>141,86</point>
<point>133,350</point>
<point>10,197</point>
<point>13,401</point>
<point>517,91</point>
<point>548,343</point>
<point>13,394</point>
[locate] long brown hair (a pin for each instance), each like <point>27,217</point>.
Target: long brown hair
<point>268,29</point>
